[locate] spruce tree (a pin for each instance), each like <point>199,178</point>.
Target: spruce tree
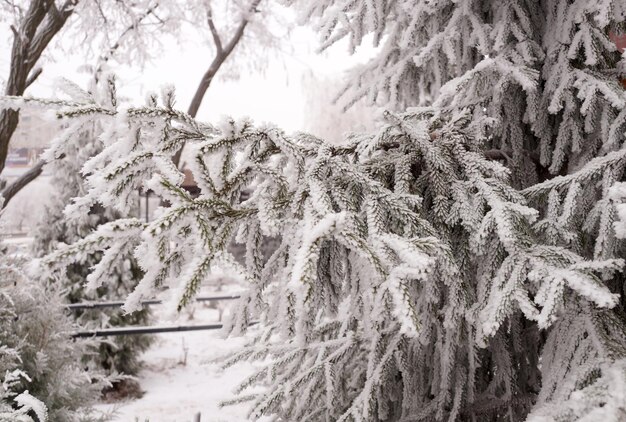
<point>463,262</point>
<point>120,354</point>
<point>42,378</point>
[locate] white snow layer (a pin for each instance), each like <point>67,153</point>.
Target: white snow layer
<point>179,379</point>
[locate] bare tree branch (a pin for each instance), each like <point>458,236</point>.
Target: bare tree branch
<point>54,12</point>
<point>214,33</point>
<point>104,18</point>
<point>240,29</point>
<point>53,25</point>
<point>220,57</point>
<point>16,8</point>
<point>33,76</point>
<point>11,190</point>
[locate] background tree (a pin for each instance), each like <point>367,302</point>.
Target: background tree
<point>228,32</point>
<point>128,31</point>
<point>120,354</point>
<point>35,23</point>
<point>42,376</point>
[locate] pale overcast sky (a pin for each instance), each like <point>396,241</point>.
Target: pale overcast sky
<point>273,95</point>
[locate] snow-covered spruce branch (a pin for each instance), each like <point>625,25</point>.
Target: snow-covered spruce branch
<point>547,73</point>
<point>398,254</point>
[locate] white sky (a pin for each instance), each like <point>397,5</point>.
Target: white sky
<point>273,95</point>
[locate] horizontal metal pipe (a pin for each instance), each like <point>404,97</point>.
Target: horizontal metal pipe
<point>131,331</point>
<point>117,304</point>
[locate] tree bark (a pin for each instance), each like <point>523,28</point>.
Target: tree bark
<point>41,23</point>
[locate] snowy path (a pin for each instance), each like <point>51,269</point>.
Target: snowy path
<point>176,391</point>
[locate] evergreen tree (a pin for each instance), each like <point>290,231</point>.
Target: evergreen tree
<point>119,354</point>
<point>461,263</point>
<point>41,376</point>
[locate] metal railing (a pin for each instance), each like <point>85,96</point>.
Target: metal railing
<point>133,331</point>
<point>130,330</point>
<point>118,304</point>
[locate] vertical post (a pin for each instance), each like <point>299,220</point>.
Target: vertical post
<point>197,417</point>
<point>147,205</point>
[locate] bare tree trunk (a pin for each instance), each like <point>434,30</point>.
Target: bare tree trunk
<point>222,53</point>
<point>26,51</point>
<point>8,123</point>
<point>18,73</point>
<point>41,22</point>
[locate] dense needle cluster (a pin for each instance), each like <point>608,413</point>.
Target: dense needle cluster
<point>41,374</point>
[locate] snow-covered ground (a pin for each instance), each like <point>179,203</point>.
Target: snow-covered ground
<point>179,380</point>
